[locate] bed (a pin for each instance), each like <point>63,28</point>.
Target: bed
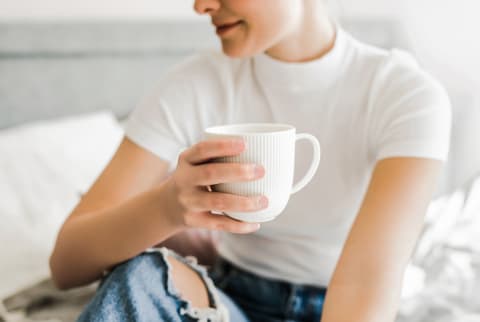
<point>65,90</point>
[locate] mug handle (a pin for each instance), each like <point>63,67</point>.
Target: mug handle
<point>313,166</point>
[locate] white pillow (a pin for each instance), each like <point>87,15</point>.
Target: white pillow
<point>44,167</point>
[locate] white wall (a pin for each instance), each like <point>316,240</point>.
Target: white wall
<point>443,32</point>
<point>66,9</point>
<point>445,35</point>
<point>384,8</point>
<point>170,9</point>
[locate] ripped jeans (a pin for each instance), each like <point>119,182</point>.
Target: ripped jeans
<point>141,289</point>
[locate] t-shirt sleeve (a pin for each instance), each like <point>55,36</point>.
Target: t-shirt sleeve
<point>153,126</point>
<point>171,117</point>
<point>412,112</point>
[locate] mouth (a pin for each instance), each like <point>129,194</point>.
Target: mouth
<point>225,29</point>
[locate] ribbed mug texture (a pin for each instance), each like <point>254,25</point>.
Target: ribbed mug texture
<point>271,146</point>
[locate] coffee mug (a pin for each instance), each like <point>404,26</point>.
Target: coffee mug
<point>272,146</point>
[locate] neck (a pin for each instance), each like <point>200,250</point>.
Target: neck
<point>310,39</point>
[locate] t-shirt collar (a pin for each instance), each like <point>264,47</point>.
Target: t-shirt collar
<point>316,73</point>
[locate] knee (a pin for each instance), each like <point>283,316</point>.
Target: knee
<point>141,272</point>
<point>158,270</point>
<point>195,290</point>
<point>161,283</point>
<point>141,280</point>
<point>188,283</point>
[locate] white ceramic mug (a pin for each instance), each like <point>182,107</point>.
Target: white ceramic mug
<point>272,146</point>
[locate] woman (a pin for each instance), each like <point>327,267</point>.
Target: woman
<point>383,125</point>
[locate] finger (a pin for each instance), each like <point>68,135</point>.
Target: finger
<point>207,201</point>
<point>215,173</point>
<point>223,223</point>
<point>210,149</point>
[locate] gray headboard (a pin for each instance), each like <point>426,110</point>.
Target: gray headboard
<point>52,69</point>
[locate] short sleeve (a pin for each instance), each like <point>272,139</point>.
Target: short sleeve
<point>153,126</point>
<point>172,116</point>
<point>412,112</point>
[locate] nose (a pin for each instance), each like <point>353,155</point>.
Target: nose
<point>206,6</point>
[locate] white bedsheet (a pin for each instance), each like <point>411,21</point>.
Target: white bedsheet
<point>44,167</point>
<point>448,257</point>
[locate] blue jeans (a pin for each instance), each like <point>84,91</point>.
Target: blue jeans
<point>141,289</point>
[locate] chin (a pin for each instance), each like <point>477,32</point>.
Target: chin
<point>236,51</point>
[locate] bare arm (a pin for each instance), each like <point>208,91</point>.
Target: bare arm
<point>131,206</point>
<point>367,281</point>
<point>98,232</point>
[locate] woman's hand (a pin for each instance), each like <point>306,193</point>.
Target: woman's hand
<point>189,200</point>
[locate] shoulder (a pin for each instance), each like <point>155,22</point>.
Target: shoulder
<point>410,109</point>
<point>391,69</point>
<point>205,67</point>
<point>393,79</point>
<point>203,79</point>
<point>399,77</point>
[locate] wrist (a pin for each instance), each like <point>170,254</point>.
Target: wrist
<point>167,205</point>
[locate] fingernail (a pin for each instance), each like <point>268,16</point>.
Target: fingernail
<point>255,226</point>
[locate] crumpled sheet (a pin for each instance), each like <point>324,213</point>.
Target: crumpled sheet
<point>447,259</point>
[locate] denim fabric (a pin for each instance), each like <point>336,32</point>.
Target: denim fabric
<point>141,289</point>
<point>267,300</point>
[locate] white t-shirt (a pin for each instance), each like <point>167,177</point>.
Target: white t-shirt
<point>361,102</point>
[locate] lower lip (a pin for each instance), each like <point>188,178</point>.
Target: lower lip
<point>223,31</point>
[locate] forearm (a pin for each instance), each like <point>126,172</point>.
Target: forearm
<point>92,242</point>
<point>373,298</point>
<point>366,284</point>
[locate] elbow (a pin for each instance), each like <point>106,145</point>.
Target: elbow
<point>57,266</point>
<point>66,277</point>
<point>60,285</point>
<point>60,275</point>
<point>56,275</point>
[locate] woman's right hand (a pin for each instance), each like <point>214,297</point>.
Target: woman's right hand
<point>190,202</point>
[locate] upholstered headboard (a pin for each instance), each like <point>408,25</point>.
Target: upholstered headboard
<point>51,69</point>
